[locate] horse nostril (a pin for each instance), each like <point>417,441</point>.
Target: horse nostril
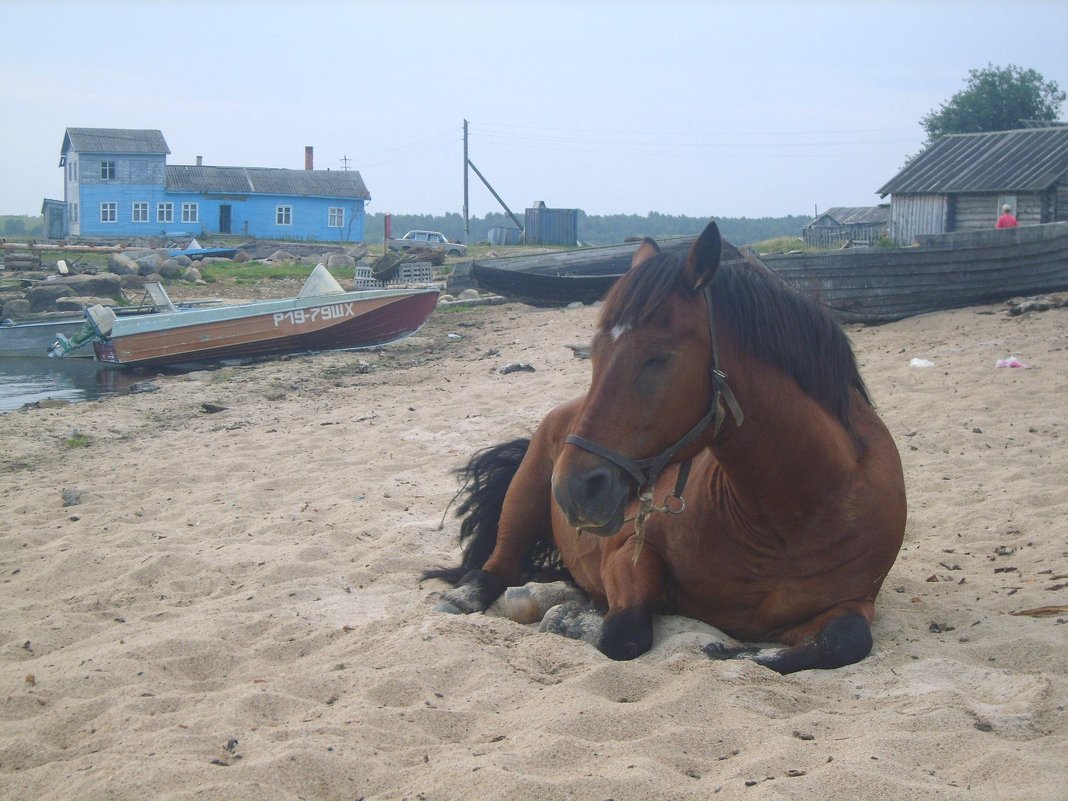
<point>592,484</point>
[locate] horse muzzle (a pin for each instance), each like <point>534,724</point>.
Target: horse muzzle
<point>593,499</point>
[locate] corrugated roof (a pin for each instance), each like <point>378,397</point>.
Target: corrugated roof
<point>266,181</point>
<point>1028,160</point>
<point>114,140</point>
<point>855,215</point>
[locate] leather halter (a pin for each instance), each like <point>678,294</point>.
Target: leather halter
<point>646,471</point>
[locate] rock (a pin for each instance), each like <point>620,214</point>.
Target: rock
<point>149,263</point>
<point>43,297</point>
<point>171,269</point>
<point>242,256</point>
<point>121,264</point>
<point>16,308</point>
<point>183,261</point>
<point>72,497</point>
<point>310,261</point>
<point>281,255</point>
<point>76,303</point>
<point>516,367</point>
<point>131,281</point>
<point>192,275</point>
<point>340,261</point>
<point>358,252</point>
<point>469,294</point>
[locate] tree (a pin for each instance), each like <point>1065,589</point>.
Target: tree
<point>995,99</point>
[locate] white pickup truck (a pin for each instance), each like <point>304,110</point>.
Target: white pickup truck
<point>427,239</point>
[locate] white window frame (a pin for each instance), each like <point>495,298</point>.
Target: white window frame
<point>335,217</point>
<point>164,212</point>
<point>190,213</point>
<point>109,212</point>
<point>283,215</point>
<point>139,211</point>
<point>107,171</point>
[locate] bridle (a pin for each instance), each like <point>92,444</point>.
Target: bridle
<point>646,471</point>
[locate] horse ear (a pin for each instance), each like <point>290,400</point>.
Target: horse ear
<point>703,260</point>
<point>646,250</point>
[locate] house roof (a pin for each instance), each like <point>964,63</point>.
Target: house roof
<point>266,181</point>
<point>853,215</point>
<point>114,140</point>
<point>1028,160</point>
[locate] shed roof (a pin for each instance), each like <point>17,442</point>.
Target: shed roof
<point>114,140</point>
<point>853,215</point>
<point>266,181</point>
<point>1028,160</point>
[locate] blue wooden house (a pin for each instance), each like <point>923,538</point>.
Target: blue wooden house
<point>117,185</point>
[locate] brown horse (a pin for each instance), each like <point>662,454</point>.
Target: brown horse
<point>726,464</point>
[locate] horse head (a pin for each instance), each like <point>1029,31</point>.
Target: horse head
<point>651,402</point>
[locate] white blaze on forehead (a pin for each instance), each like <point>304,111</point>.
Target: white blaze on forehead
<point>618,331</point>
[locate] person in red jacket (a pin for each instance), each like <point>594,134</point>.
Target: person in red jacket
<point>1006,220</point>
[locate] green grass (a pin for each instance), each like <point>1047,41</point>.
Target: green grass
<point>77,440</point>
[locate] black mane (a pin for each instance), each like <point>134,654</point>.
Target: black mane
<point>770,321</point>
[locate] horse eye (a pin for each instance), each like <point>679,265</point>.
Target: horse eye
<point>659,360</point>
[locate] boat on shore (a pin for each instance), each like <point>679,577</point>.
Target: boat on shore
<point>569,276</point>
<point>862,285</point>
<point>322,317</point>
<point>943,271</point>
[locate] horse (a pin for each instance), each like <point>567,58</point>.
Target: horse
<point>726,464</point>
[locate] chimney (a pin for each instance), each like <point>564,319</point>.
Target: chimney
<point>200,161</point>
<point>309,158</point>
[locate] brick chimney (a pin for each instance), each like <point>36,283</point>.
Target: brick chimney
<point>309,158</point>
<point>200,161</point>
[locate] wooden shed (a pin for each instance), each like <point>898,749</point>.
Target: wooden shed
<point>961,182</point>
<point>842,224</point>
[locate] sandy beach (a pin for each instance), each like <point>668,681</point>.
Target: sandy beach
<point>226,604</point>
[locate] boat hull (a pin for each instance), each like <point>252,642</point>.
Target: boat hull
<point>967,268</point>
<point>329,322</point>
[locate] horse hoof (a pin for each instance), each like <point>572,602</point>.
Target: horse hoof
<point>573,620</point>
<point>448,607</point>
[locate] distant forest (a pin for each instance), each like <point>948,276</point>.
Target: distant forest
<point>593,229</point>
<point>605,229</point>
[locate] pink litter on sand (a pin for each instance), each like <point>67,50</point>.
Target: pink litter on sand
<point>1012,361</point>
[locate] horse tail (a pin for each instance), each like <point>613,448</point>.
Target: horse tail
<point>486,478</point>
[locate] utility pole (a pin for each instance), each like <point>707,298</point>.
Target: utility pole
<point>467,224</point>
<point>471,164</point>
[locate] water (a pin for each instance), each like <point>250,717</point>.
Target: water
<point>25,380</point>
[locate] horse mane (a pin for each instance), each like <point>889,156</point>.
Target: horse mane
<point>771,321</point>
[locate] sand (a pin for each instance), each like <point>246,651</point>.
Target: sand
<point>232,608</point>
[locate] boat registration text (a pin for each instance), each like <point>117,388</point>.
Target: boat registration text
<point>334,311</point>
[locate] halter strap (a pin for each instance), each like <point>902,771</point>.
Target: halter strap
<point>646,471</point>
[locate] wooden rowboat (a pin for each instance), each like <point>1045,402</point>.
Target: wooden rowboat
<point>569,276</point>
<point>322,317</point>
<point>944,271</point>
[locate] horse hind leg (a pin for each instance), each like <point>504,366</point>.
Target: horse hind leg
<point>506,533</point>
<point>843,639</point>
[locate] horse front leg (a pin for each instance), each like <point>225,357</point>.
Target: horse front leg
<point>839,637</point>
<point>633,592</point>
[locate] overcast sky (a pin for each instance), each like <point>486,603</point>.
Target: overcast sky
<point>699,108</point>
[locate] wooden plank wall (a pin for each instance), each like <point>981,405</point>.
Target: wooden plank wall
<point>912,215</point>
<point>971,212</point>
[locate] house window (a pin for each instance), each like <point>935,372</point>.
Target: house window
<point>109,212</point>
<point>189,213</point>
<point>140,212</point>
<point>72,171</point>
<point>73,208</point>
<point>165,212</point>
<point>336,218</point>
<point>283,215</point>
<point>107,171</point>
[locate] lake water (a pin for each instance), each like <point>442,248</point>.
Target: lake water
<point>24,380</point>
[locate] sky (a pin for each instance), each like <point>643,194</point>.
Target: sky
<point>734,109</point>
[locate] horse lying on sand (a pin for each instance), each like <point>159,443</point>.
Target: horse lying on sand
<point>726,464</point>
